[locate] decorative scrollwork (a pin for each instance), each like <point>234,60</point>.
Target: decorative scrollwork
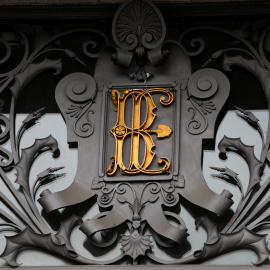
<point>83,128</point>
<point>194,42</point>
<point>8,75</point>
<point>81,89</point>
<point>78,91</point>
<point>202,86</point>
<point>6,158</point>
<point>4,134</point>
<point>181,225</point>
<point>108,241</point>
<point>252,53</point>
<point>93,45</point>
<point>194,126</point>
<point>8,51</point>
<point>167,193</point>
<point>107,195</point>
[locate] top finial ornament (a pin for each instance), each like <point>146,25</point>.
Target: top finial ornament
<point>138,23</point>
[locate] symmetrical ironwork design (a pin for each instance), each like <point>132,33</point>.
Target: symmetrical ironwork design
<point>116,106</point>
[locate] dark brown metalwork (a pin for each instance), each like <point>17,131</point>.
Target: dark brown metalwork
<point>152,78</point>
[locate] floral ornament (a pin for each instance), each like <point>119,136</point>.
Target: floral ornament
<point>135,244</point>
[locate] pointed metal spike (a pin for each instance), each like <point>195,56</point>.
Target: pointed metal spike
<point>218,169</point>
<point>56,168</point>
<point>230,172</point>
<point>221,176</point>
<point>252,117</point>
<point>44,173</point>
<point>241,110</point>
<point>243,116</point>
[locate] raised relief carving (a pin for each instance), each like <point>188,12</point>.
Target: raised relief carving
<point>81,89</point>
<point>138,24</point>
<point>201,87</point>
<point>139,30</point>
<point>170,109</point>
<point>75,95</point>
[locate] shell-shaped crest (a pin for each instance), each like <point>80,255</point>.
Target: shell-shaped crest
<point>135,246</point>
<point>138,22</point>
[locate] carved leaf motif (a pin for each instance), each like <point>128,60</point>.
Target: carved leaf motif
<point>46,177</point>
<point>152,198</point>
<point>163,131</point>
<point>32,70</point>
<point>28,156</point>
<point>178,181</point>
<point>28,238</point>
<point>74,110</point>
<point>135,246</point>
<point>247,115</point>
<point>236,145</point>
<point>243,239</point>
<point>207,107</point>
<point>210,228</point>
<point>261,73</point>
<point>33,117</point>
<point>97,184</point>
<point>229,176</point>
<point>64,232</point>
<point>121,199</point>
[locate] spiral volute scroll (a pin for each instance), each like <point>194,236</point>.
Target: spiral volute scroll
<point>79,91</point>
<point>5,123</point>
<point>6,158</point>
<point>203,85</point>
<point>181,226</point>
<point>108,236</point>
<point>197,43</point>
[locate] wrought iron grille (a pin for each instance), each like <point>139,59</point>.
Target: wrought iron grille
<point>161,127</point>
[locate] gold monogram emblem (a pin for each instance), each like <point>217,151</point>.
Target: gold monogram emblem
<point>120,131</point>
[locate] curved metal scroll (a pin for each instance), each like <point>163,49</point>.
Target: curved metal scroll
<point>204,86</point>
<point>75,95</point>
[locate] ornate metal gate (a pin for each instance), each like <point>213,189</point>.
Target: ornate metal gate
<point>140,121</point>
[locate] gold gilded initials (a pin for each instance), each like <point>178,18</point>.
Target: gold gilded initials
<point>120,131</point>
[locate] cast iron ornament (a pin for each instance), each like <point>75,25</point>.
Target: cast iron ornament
<point>136,194</point>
